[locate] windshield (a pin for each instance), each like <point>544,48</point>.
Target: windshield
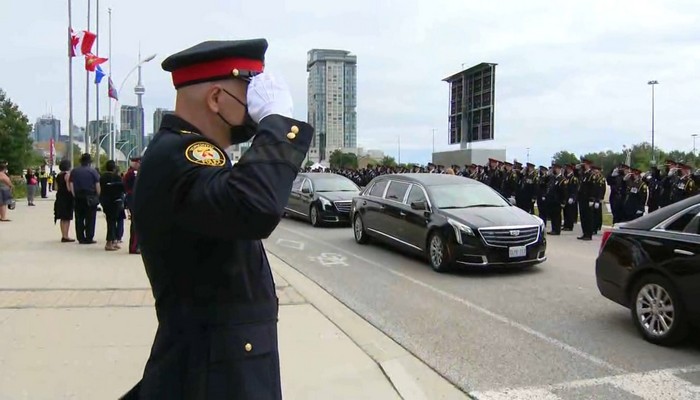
<point>465,196</point>
<point>335,184</point>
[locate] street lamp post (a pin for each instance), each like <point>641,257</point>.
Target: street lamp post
<point>694,135</point>
<point>114,108</point>
<point>653,154</point>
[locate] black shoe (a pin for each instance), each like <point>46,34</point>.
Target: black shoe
<point>64,240</point>
<point>567,229</point>
<point>584,238</point>
<point>88,242</point>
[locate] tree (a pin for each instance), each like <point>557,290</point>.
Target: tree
<point>15,143</point>
<point>565,157</point>
<point>338,159</point>
<point>308,163</point>
<point>388,161</point>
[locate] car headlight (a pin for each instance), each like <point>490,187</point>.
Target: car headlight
<point>540,222</point>
<point>324,202</point>
<point>459,229</point>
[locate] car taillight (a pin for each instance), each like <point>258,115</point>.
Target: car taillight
<point>603,240</point>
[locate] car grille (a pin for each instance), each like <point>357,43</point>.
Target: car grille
<point>508,237</point>
<point>343,206</point>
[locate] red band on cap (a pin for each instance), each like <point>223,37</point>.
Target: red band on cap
<point>212,69</point>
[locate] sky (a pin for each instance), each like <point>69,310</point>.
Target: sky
<point>571,75</point>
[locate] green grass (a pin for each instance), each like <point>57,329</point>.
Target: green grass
<point>20,191</point>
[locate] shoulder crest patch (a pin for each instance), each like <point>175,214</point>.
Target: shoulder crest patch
<point>204,153</point>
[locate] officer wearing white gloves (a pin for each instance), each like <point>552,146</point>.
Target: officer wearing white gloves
<point>200,221</point>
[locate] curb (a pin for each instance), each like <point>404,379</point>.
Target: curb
<point>411,378</point>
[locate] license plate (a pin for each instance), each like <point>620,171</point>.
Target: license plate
<point>514,252</point>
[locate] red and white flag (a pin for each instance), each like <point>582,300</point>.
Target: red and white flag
<point>81,42</point>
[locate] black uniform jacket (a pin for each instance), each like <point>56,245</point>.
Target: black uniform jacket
<point>200,221</point>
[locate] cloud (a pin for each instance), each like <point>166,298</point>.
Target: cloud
<point>570,75</point>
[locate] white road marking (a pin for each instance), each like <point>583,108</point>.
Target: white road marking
<point>524,328</point>
<point>290,244</point>
<point>330,259</point>
<point>652,385</point>
<point>517,394</point>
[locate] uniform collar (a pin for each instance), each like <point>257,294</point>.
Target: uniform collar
<point>174,123</point>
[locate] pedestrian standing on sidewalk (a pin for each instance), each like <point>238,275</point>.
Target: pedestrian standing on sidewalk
<point>200,222</point>
<point>112,200</point>
<point>44,181</point>
<point>63,205</point>
<point>32,182</point>
<point>129,181</point>
<point>85,182</point>
<point>6,188</point>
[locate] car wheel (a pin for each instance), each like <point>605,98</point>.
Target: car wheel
<point>657,311</point>
<point>314,216</point>
<point>438,254</point>
<point>358,227</point>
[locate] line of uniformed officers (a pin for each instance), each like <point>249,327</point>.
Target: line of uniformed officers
<point>565,193</point>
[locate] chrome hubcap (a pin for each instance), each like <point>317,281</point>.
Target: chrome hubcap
<point>655,309</point>
<point>358,228</point>
<point>436,251</point>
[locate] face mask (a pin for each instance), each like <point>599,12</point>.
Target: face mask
<point>240,133</point>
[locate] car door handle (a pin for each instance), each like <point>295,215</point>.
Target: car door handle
<point>403,214</point>
<point>683,252</point>
<point>382,208</point>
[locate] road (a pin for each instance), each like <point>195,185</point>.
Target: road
<point>545,332</point>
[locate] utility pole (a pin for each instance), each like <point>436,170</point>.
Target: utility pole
<point>694,135</point>
<point>653,154</point>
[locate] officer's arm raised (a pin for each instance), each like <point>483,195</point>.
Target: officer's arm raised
<point>246,201</point>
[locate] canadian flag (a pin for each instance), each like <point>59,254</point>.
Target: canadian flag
<point>81,42</point>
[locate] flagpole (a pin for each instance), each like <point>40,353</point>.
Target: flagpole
<point>97,88</point>
<point>86,137</point>
<point>70,86</point>
<point>109,99</point>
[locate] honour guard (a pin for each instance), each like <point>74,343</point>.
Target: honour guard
<point>571,184</point>
<point>601,186</point>
<point>541,190</point>
<point>587,200</point>
<point>635,196</point>
<point>200,221</point>
<point>555,198</point>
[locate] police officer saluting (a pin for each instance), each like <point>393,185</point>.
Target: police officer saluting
<point>200,222</point>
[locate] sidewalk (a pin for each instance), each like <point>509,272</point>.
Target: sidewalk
<point>77,322</point>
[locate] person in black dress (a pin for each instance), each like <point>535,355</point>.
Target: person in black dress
<point>112,200</point>
<point>63,206</point>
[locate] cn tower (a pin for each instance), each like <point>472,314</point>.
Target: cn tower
<point>139,89</point>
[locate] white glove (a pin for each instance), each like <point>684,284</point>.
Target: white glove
<point>268,95</point>
<point>640,212</point>
<point>571,201</point>
<point>597,206</point>
<point>590,204</point>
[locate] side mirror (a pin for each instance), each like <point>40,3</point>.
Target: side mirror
<point>305,190</point>
<point>419,206</point>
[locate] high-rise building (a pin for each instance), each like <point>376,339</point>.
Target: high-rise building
<point>103,127</point>
<point>131,128</point>
<point>332,101</point>
<point>158,117</point>
<point>47,127</point>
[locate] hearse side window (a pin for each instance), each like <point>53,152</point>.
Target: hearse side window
<point>297,183</point>
<point>378,189</point>
<point>397,191</point>
<point>306,185</point>
<point>415,195</point>
<point>683,221</point>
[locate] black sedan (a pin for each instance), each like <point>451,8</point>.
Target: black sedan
<point>321,198</point>
<point>450,219</point>
<point>652,266</point>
